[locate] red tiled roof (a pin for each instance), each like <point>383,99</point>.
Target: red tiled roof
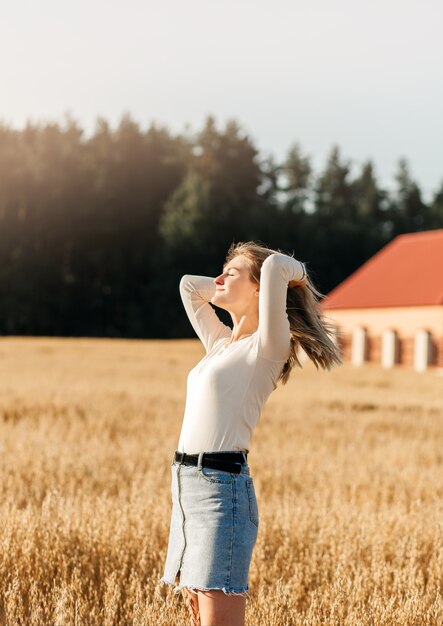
<point>408,271</point>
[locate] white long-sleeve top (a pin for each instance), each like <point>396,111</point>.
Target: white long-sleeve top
<point>227,389</point>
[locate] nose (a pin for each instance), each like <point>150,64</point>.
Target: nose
<point>218,280</point>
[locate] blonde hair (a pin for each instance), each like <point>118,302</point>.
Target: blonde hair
<point>308,327</point>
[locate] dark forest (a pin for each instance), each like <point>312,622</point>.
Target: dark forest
<point>96,232</point>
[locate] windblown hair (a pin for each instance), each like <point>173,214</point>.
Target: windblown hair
<point>308,327</point>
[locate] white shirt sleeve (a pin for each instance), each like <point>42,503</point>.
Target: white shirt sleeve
<point>196,293</point>
<point>277,271</point>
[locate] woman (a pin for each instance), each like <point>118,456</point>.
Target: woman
<point>214,522</point>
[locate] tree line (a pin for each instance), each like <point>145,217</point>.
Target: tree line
<point>96,232</point>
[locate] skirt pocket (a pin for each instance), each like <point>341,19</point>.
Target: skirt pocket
<point>216,476</point>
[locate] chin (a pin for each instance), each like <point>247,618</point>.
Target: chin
<point>217,303</point>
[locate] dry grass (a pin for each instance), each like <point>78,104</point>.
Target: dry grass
<point>350,495</point>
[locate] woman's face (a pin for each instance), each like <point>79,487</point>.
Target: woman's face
<point>234,287</point>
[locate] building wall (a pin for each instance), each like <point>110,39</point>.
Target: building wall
<point>405,320</point>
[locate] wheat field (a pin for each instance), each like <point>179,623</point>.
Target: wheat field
<point>347,467</point>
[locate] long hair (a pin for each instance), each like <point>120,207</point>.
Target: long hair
<point>308,327</point>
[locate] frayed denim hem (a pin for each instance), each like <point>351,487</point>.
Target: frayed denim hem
<point>177,588</point>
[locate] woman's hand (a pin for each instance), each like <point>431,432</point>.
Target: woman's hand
<point>298,283</point>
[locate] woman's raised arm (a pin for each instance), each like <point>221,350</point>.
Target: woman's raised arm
<point>277,271</point>
<point>196,293</point>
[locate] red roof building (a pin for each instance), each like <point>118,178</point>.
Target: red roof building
<point>390,310</point>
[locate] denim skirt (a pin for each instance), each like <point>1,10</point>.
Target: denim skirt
<point>213,529</point>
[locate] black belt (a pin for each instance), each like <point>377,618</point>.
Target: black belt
<point>226,461</point>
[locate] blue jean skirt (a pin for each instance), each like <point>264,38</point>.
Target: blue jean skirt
<point>213,530</point>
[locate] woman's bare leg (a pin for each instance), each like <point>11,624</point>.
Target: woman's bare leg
<point>218,609</point>
<point>191,599</point>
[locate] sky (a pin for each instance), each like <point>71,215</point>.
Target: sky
<point>367,76</point>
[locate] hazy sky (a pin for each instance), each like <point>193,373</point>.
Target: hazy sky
<point>365,75</point>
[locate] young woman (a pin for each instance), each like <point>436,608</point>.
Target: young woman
<point>214,522</point>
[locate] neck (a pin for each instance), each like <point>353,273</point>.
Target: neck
<point>244,323</point>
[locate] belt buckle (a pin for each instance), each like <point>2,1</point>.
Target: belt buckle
<point>227,466</point>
